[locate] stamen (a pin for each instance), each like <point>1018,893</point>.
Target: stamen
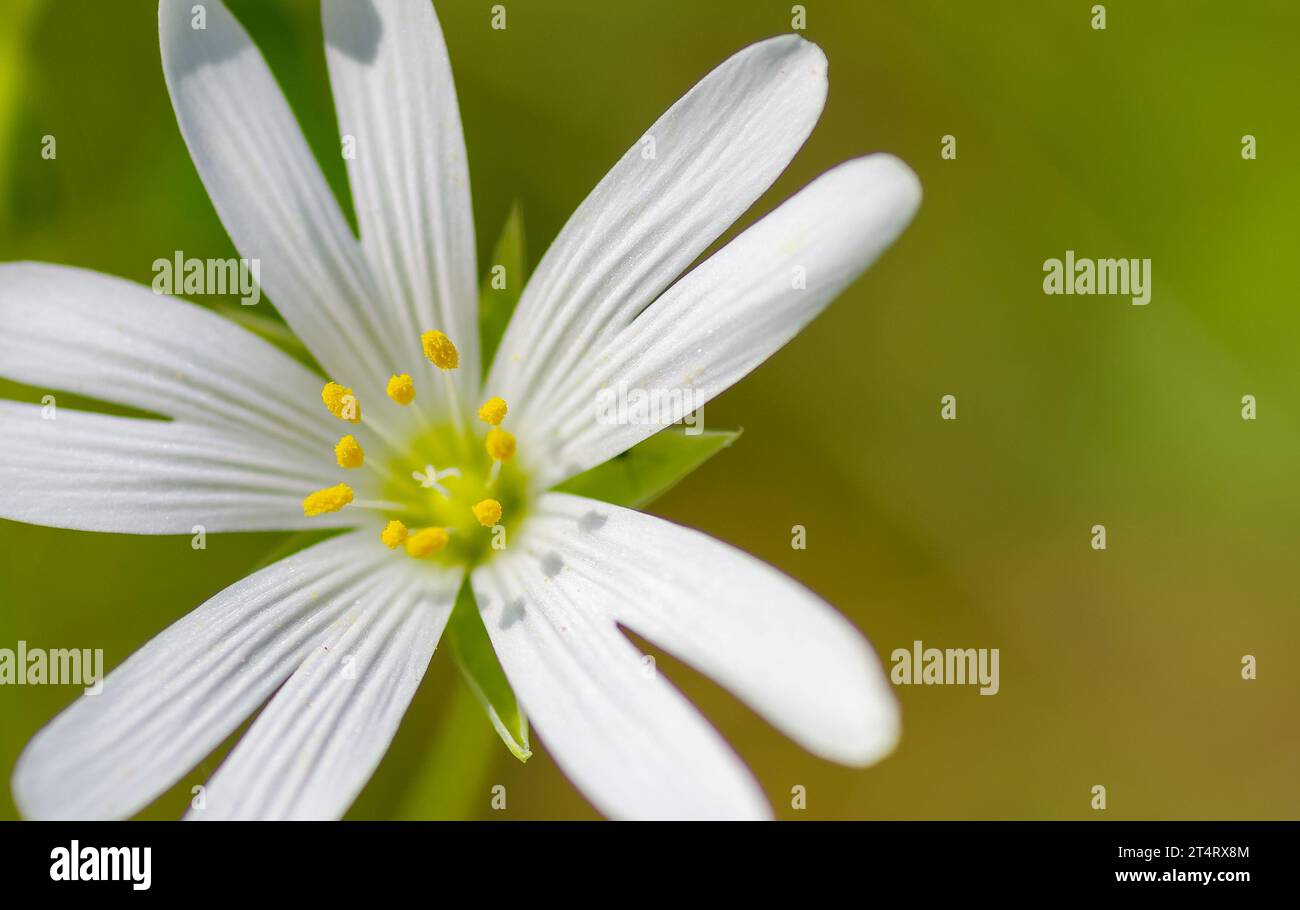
<point>401,388</point>
<point>493,411</point>
<point>383,431</point>
<point>426,541</point>
<point>341,402</point>
<point>349,453</point>
<point>393,534</point>
<point>442,353</point>
<point>488,513</point>
<point>378,505</point>
<point>500,444</point>
<point>440,350</point>
<point>453,402</point>
<point>330,499</point>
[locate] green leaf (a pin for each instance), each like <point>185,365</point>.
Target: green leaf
<point>472,650</point>
<point>272,330</point>
<point>649,469</point>
<point>495,305</point>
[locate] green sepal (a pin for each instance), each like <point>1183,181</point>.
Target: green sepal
<point>468,641</point>
<point>649,469</point>
<point>270,330</point>
<point>497,305</point>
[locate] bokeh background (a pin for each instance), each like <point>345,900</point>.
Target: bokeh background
<point>1119,668</point>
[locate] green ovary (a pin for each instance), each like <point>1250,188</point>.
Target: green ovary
<point>469,542</point>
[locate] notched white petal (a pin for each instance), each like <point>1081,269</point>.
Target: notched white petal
<point>313,748</point>
<point>773,643</point>
<point>679,186</point>
<point>271,195</point>
<point>623,734</point>
<point>731,312</point>
<point>407,167</point>
<point>173,701</point>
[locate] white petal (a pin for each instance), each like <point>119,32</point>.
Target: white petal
<point>714,153</point>
<point>271,196</point>
<point>395,98</point>
<point>730,313</point>
<point>68,329</point>
<point>94,472</point>
<point>625,736</point>
<point>313,748</point>
<point>173,701</point>
<point>778,647</point>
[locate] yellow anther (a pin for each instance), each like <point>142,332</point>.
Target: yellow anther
<point>499,444</point>
<point>426,541</point>
<point>341,402</point>
<point>401,388</point>
<point>488,513</point>
<point>493,411</point>
<point>439,349</point>
<point>330,499</point>
<point>393,534</point>
<point>349,453</point>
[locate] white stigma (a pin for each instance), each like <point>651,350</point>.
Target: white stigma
<point>429,477</point>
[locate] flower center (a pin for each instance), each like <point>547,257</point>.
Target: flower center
<point>447,494</point>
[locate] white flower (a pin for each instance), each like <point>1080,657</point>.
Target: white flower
<point>338,636</point>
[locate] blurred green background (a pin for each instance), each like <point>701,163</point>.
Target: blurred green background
<point>1119,668</point>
